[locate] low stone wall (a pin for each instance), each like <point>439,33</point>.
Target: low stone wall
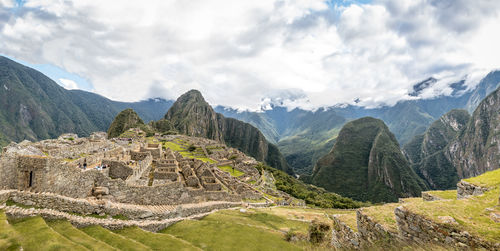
<point>5,195</point>
<point>79,221</point>
<point>466,189</point>
<point>343,236</point>
<point>371,231</point>
<point>86,207</point>
<point>417,228</point>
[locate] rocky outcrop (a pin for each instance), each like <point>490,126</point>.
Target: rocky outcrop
<point>427,153</point>
<point>466,189</point>
<point>366,163</point>
<point>477,148</point>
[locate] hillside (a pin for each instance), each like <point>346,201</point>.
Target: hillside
<point>476,149</point>
<point>427,152</point>
<point>125,120</point>
<point>192,115</point>
<point>366,164</point>
<point>34,107</point>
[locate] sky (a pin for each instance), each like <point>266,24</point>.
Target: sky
<point>250,54</point>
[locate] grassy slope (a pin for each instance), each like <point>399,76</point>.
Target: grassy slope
<point>471,213</point>
<point>36,235</point>
<point>223,235</point>
<point>229,169</point>
<point>113,239</point>
<point>9,238</point>
<point>65,229</point>
<point>488,179</point>
<point>154,240</point>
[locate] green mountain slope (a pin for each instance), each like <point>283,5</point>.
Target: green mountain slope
<point>367,164</point>
<point>427,152</point>
<point>34,107</point>
<point>193,116</point>
<point>125,120</point>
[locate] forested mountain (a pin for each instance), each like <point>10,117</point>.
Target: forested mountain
<point>366,164</point>
<point>34,107</point>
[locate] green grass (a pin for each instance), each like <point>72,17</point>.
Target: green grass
<point>67,230</point>
<point>9,238</point>
<point>181,147</point>
<point>155,241</point>
<point>221,235</point>
<point>488,179</point>
<point>229,169</point>
<point>446,194</point>
<point>470,213</point>
<point>114,240</point>
<point>384,215</point>
<point>259,218</point>
<point>36,235</point>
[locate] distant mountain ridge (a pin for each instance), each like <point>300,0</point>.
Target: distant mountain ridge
<point>304,136</point>
<point>34,107</point>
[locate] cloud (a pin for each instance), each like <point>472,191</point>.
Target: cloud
<point>243,54</point>
<point>68,84</point>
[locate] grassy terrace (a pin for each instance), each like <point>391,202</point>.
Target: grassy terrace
<point>34,234</point>
<point>444,194</point>
<point>182,146</point>
<point>67,230</point>
<point>488,179</point>
<point>471,213</point>
<point>229,169</point>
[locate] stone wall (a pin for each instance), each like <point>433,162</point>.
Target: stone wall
<point>8,172</point>
<point>343,236</point>
<point>417,228</point>
<point>86,207</point>
<point>118,169</point>
<point>466,189</point>
<point>371,231</point>
<point>134,155</point>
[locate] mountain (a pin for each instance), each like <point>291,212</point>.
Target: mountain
<point>477,147</point>
<point>34,107</point>
<point>193,116</point>
<point>366,164</point>
<point>301,135</point>
<point>125,120</point>
<point>427,152</point>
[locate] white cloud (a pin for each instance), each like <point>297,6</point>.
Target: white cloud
<point>243,53</point>
<point>68,84</point>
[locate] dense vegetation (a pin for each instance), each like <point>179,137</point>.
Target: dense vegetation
<point>427,153</point>
<point>312,195</point>
<point>125,120</point>
<point>366,164</point>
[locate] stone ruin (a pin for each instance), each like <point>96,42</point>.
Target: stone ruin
<point>142,173</point>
